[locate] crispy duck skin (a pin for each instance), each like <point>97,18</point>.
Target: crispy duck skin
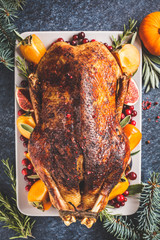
<point>78,147</point>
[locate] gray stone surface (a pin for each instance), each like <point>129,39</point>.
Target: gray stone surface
<point>75,15</point>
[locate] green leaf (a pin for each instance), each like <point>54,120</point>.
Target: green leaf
<point>27,127</point>
<point>33,176</point>
<point>134,189</point>
<point>125,121</point>
<point>154,59</point>
<point>134,153</point>
<point>134,37</point>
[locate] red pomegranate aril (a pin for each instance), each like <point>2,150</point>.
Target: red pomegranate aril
<point>133,122</point>
<point>75,37</point>
<point>85,40</point>
<point>134,113</point>
<point>60,40</point>
<point>122,204</point>
<point>20,112</point>
<point>125,199</point>
<point>112,202</point>
<point>132,175</point>
<point>25,171</point>
<point>126,193</point>
<point>128,112</point>
<point>74,42</point>
<point>81,35</point>
<point>131,108</point>
<point>30,166</point>
<point>116,205</point>
<point>25,162</point>
<point>25,144</point>
<point>27,187</point>
<point>22,138</point>
<point>24,83</point>
<point>93,40</point>
<point>120,198</point>
<point>110,48</point>
<point>122,116</point>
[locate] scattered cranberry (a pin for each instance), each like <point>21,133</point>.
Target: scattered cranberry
<point>20,112</point>
<point>30,166</point>
<point>60,40</point>
<point>75,37</point>
<point>93,40</point>
<point>110,48</point>
<point>131,108</point>
<point>158,117</point>
<point>120,198</point>
<point>81,35</point>
<point>134,113</point>
<point>116,205</point>
<point>25,171</point>
<point>27,187</point>
<point>25,162</point>
<point>112,202</point>
<point>25,144</point>
<point>85,40</point>
<point>122,204</point>
<point>133,122</point>
<point>22,138</point>
<point>122,116</point>
<point>128,112</point>
<point>155,103</point>
<point>125,199</point>
<point>126,193</point>
<point>132,175</point>
<point>24,83</point>
<point>74,42</point>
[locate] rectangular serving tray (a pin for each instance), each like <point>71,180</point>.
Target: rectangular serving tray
<point>47,38</point>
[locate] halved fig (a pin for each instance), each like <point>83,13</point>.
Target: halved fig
<point>132,93</point>
<point>23,99</point>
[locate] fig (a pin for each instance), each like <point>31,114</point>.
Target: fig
<point>132,93</point>
<point>23,99</point>
<point>128,58</point>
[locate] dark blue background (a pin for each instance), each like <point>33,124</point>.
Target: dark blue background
<point>75,15</point>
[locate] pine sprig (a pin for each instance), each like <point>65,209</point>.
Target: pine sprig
<point>7,11</point>
<point>6,58</point>
<point>9,213</point>
<point>127,33</point>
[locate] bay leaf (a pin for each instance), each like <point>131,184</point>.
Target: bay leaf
<point>125,121</point>
<point>27,127</point>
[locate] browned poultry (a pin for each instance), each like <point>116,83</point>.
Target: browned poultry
<point>78,147</point>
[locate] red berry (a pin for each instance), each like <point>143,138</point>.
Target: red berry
<point>25,152</point>
<point>26,178</point>
<point>30,182</point>
<point>125,199</point>
<point>22,138</point>
<point>122,116</point>
<point>122,204</point>
<point>128,112</point>
<point>75,37</point>
<point>93,40</point>
<point>74,42</point>
<point>110,48</point>
<point>25,144</point>
<point>126,193</point>
<point>133,122</point>
<point>20,112</point>
<point>134,113</point>
<point>112,202</point>
<point>68,42</point>
<point>105,44</point>
<point>25,171</point>
<point>81,35</point>
<point>24,83</point>
<point>132,175</point>
<point>25,162</point>
<point>131,108</point>
<point>60,40</point>
<point>120,198</point>
<point>30,166</point>
<point>85,40</point>
<point>27,187</point>
<point>116,205</point>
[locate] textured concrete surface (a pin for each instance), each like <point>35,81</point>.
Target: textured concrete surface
<point>75,15</point>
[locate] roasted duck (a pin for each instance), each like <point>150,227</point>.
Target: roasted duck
<point>78,147</point>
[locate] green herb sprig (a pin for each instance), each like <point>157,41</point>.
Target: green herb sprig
<point>22,66</point>
<point>9,213</point>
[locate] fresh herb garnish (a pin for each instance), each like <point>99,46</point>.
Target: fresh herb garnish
<point>134,189</point>
<point>125,121</point>
<point>27,127</point>
<point>134,153</point>
<point>23,68</point>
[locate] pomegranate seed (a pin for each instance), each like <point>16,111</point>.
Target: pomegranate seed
<point>25,162</point>
<point>120,198</point>
<point>106,45</point>
<point>93,40</point>
<point>75,37</point>
<point>20,112</point>
<point>125,199</point>
<point>60,40</point>
<point>110,48</point>
<point>27,187</point>
<point>22,138</point>
<point>25,144</point>
<point>85,40</point>
<point>24,83</point>
<point>133,122</point>
<point>112,202</point>
<point>81,35</point>
<point>132,175</point>
<point>126,193</point>
<point>116,205</point>
<point>122,116</point>
<point>74,42</point>
<point>128,112</point>
<point>30,166</point>
<point>122,204</point>
<point>25,171</point>
<point>134,113</point>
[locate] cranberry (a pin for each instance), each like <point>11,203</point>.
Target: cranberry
<point>134,113</point>
<point>81,35</point>
<point>126,193</point>
<point>27,187</point>
<point>131,108</point>
<point>112,202</point>
<point>60,40</point>
<point>30,182</point>
<point>106,45</point>
<point>25,171</point>
<point>128,112</point>
<point>22,138</point>
<point>30,166</point>
<point>125,199</point>
<point>24,83</point>
<point>110,48</point>
<point>74,42</point>
<point>122,204</point>
<point>26,178</point>
<point>75,37</point>
<point>25,144</point>
<point>116,205</point>
<point>25,162</point>
<point>132,175</point>
<point>133,122</point>
<point>20,112</point>
<point>68,42</point>
<point>120,198</point>
<point>122,116</point>
<point>93,40</point>
<point>85,40</point>
<point>25,152</point>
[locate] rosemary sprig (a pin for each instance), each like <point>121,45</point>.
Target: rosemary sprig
<point>127,33</point>
<point>9,213</point>
<point>23,68</point>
